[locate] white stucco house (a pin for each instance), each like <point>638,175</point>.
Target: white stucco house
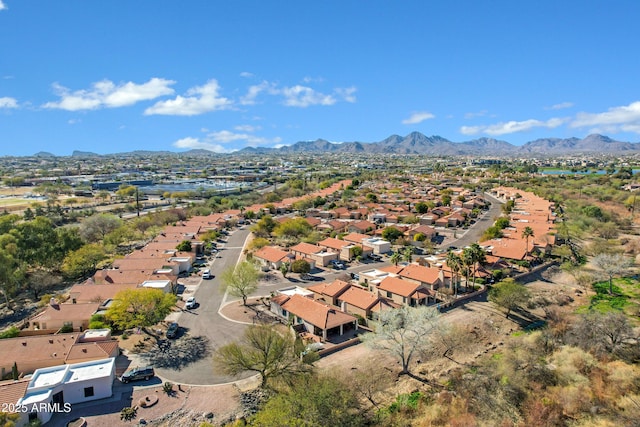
<point>58,388</point>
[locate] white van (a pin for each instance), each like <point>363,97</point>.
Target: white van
<point>206,274</point>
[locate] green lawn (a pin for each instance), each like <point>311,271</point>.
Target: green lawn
<point>625,297</point>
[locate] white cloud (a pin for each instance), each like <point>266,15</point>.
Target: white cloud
<point>481,113</point>
<point>199,100</point>
<point>560,106</point>
<point>625,118</point>
<point>247,128</point>
<point>2,5</point>
<point>511,127</point>
<point>255,90</point>
<point>195,143</point>
<point>303,96</point>
<point>216,141</point>
<point>74,121</point>
<point>6,102</point>
<point>107,94</point>
<point>246,74</point>
<point>309,79</point>
<point>347,93</point>
<point>418,117</point>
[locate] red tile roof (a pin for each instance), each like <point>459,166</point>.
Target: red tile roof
<point>320,315</point>
<point>332,289</point>
<point>398,286</point>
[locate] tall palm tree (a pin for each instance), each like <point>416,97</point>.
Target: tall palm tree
<point>467,263</point>
<point>478,256</point>
<point>526,233</point>
<point>455,264</point>
<point>396,258</point>
<point>407,254</point>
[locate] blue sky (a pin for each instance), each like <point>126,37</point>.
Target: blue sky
<point>114,76</point>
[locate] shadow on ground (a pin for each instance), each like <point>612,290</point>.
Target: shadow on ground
<point>176,354</point>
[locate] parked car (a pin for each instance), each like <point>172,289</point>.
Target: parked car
<point>138,374</point>
<point>375,257</point>
<point>338,265</point>
<point>172,330</point>
<point>206,274</point>
<point>191,303</point>
<point>355,276</point>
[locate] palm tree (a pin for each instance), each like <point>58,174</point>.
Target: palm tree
<point>407,254</point>
<point>396,258</point>
<point>467,262</point>
<point>455,264</point>
<point>478,256</point>
<point>526,233</point>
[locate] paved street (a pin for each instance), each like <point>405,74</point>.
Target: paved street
<point>205,320</point>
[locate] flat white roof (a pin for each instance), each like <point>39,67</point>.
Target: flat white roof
<point>179,259</point>
<point>294,290</point>
<point>161,284</point>
<point>90,371</point>
<point>96,333</point>
<point>46,378</point>
<point>35,397</point>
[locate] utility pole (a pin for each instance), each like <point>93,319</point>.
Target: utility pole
<point>137,202</point>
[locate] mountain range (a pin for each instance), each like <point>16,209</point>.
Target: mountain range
<point>417,143</point>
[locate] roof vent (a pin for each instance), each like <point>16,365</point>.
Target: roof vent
<point>50,341</point>
<point>84,350</point>
<point>24,343</point>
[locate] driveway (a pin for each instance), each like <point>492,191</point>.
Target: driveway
<point>205,321</point>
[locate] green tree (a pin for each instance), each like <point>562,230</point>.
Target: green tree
<point>262,350</point>
<point>96,227</point>
<point>264,227</point>
<point>140,307</point>
<point>300,266</point>
<point>8,419</point>
<point>240,281</point>
<point>407,254</point>
<point>455,264</point>
<point>84,261</point>
<point>527,232</point>
<point>292,230</point>
<point>184,246</point>
<point>391,234</point>
<point>421,207</point>
<point>404,332</point>
<point>395,258</point>
<point>313,401</point>
<point>509,294</point>
<point>477,256</point>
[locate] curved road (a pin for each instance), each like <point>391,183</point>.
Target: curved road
<point>206,321</point>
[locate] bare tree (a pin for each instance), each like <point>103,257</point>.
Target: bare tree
<point>403,332</point>
<point>370,378</point>
<point>612,265</point>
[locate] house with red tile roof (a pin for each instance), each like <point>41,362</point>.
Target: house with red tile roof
<point>317,318</point>
<point>318,254</point>
<point>271,257</point>
<point>56,315</point>
<point>363,227</point>
<point>360,302</point>
<point>329,292</point>
<point>403,291</point>
<point>344,249</point>
<point>428,277</point>
<point>10,393</point>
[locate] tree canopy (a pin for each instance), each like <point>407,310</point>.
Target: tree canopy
<point>140,307</point>
<point>241,280</point>
<point>263,350</point>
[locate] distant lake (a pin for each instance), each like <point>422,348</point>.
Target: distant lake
<point>192,185</point>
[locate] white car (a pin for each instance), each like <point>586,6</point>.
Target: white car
<point>191,303</point>
<point>206,274</point>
